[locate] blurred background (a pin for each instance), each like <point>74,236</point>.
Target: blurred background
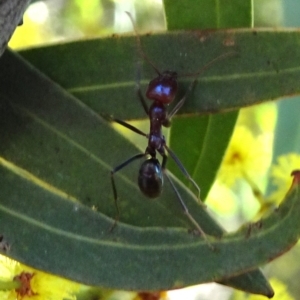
<point>273,128</point>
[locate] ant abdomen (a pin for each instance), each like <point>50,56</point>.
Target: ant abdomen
<point>163,88</point>
<point>150,178</point>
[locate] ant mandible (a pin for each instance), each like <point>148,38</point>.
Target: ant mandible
<point>162,90</point>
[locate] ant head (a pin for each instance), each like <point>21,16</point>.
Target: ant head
<point>163,88</point>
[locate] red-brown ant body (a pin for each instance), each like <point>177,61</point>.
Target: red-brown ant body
<point>162,91</point>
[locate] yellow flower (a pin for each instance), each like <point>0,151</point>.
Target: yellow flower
<point>220,191</point>
<point>246,157</point>
<point>35,284</point>
<point>281,175</point>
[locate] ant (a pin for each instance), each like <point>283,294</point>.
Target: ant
<point>162,91</point>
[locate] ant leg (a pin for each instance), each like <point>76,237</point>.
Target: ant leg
<point>128,126</point>
<point>183,205</point>
<point>112,173</point>
<point>139,92</point>
<point>184,171</point>
<point>182,100</point>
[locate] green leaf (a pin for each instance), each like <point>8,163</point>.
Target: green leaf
<point>205,141</point>
<point>202,135</point>
<point>265,68</point>
<point>207,138</point>
<point>64,143</point>
<point>287,121</point>
<point>207,14</point>
<point>58,154</point>
<point>91,93</point>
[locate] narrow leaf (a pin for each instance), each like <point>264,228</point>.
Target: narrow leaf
<point>207,14</point>
<point>205,139</point>
<point>56,154</point>
<point>266,67</point>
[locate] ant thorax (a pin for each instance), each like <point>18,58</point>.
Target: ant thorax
<point>157,115</point>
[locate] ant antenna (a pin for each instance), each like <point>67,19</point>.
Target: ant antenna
<point>145,56</point>
<point>140,48</point>
<point>220,57</point>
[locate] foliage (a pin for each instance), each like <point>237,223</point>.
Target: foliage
<point>57,150</point>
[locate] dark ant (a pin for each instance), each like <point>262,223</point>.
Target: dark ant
<point>162,90</point>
